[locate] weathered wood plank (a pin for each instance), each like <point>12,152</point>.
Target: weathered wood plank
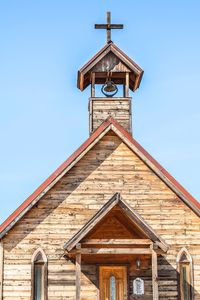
<point>117,242</point>
<point>154,275</point>
<point>110,166</point>
<point>127,85</point>
<point>113,251</point>
<point>93,84</point>
<point>102,108</point>
<point>78,275</point>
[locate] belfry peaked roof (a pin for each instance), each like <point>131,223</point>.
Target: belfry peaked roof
<point>109,124</point>
<point>135,71</point>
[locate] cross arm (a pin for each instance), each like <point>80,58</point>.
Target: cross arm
<point>107,26</point>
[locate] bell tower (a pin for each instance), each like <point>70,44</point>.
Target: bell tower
<point>111,75</point>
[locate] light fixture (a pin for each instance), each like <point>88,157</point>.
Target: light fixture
<point>138,264</point>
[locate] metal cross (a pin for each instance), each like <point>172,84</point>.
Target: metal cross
<point>109,26</point>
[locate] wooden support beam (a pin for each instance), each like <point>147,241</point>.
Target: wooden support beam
<point>92,84</point>
<point>1,269</point>
<point>124,87</point>
<point>127,85</point>
<point>117,242</point>
<point>162,246</point>
<point>112,251</point>
<point>78,273</point>
<point>90,109</point>
<point>154,274</point>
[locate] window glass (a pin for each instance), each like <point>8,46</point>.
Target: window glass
<point>185,281</point>
<point>38,281</point>
<point>112,288</point>
<point>185,270</point>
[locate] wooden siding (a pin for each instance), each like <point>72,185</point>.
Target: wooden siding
<point>102,108</point>
<point>110,63</point>
<point>107,168</point>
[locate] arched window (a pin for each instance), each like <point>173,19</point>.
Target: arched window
<point>39,275</point>
<point>185,271</point>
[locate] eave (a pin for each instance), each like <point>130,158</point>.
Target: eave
<point>109,124</point>
<point>83,79</point>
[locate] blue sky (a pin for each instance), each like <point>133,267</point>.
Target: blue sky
<point>44,117</point>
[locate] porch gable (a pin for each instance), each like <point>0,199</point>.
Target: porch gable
<point>135,227</point>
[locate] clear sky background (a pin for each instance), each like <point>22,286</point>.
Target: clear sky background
<point>44,117</point>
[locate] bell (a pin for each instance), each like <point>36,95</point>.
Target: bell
<point>110,87</point>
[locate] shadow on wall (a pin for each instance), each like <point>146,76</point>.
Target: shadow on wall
<point>168,281</point>
<point>54,199</point>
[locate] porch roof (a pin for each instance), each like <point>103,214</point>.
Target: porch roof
<point>132,216</point>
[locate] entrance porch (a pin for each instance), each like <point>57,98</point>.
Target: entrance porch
<point>124,249</point>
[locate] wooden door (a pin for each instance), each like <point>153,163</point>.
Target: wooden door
<point>113,283</point>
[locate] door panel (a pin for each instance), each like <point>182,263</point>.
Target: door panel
<point>113,282</point>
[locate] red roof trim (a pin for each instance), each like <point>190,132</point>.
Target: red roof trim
<point>53,176</point>
<point>156,164</point>
<point>66,163</point>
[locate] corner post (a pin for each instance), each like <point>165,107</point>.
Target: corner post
<point>127,85</point>
<point>154,273</point>
<point>78,272</point>
<point>1,269</point>
<point>92,84</point>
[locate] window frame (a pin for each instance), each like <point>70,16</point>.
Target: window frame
<point>188,263</point>
<point>44,280</point>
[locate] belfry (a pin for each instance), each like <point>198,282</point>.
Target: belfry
<point>110,68</point>
<point>110,223</point>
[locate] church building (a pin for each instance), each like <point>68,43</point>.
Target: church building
<point>110,223</point>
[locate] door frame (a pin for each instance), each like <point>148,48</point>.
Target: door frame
<point>127,265</point>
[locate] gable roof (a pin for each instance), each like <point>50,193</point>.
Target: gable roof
<point>128,211</point>
<point>135,71</point>
<point>109,124</point>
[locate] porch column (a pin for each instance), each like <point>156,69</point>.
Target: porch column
<point>78,272</point>
<point>154,274</point>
